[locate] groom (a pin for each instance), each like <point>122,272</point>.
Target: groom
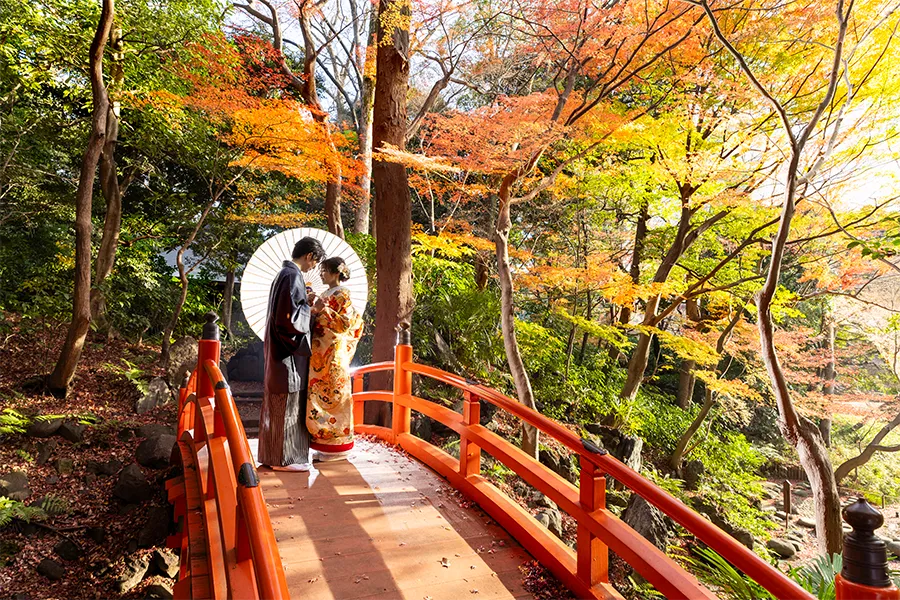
<point>283,437</point>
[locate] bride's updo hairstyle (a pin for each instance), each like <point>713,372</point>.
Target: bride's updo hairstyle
<point>336,266</point>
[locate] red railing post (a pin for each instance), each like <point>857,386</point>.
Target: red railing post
<point>469,453</point>
<point>402,381</point>
<point>359,408</point>
<point>207,349</point>
<point>593,554</point>
<point>864,575</point>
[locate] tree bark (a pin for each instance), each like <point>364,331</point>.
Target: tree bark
<point>363,212</point>
<point>59,379</point>
<point>507,315</point>
<point>640,238</point>
<point>681,447</point>
<point>228,300</point>
<point>183,277</point>
<point>830,376</point>
<point>111,189</point>
<point>393,262</point>
<point>686,383</point>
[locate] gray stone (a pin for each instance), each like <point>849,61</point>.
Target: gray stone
<point>51,569</point>
<point>89,479</point>
<point>693,470</point>
<point>780,515</point>
<point>167,562</point>
<point>64,466</point>
<point>549,460</point>
<point>420,426</point>
<point>182,358</point>
<point>744,537</point>
<point>893,548</point>
<point>110,467</point>
<point>539,500</point>
<point>163,590</point>
<point>14,485</point>
<point>782,548</point>
<point>97,534</point>
<point>156,529</point>
<point>648,521</point>
<point>71,431</point>
<point>806,522</point>
<point>45,449</point>
<point>132,486</point>
<point>552,520</point>
<point>155,452</point>
<point>133,572</point>
<point>157,394</point>
<point>43,428</point>
<point>629,451</point>
<point>52,480</point>
<point>154,430</point>
<point>67,550</point>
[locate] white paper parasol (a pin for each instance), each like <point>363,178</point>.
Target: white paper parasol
<point>267,261</point>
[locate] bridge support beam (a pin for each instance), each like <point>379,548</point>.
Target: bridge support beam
<point>469,453</point>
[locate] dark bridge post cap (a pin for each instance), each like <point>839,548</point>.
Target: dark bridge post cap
<point>210,328</point>
<point>404,335</point>
<point>865,556</point>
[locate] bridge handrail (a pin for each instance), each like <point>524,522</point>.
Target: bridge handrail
<point>227,542</point>
<point>730,549</point>
<point>596,524</point>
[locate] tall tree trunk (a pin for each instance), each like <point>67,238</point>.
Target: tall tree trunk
<point>393,262</point>
<point>797,429</point>
<point>361,225</point>
<point>112,191</point>
<point>584,338</point>
<point>228,300</point>
<point>686,377</point>
<point>59,379</point>
<point>681,447</point>
<point>183,276</point>
<point>640,238</point>
<point>508,318</point>
<point>641,355</point>
<point>830,375</point>
<point>686,383</point>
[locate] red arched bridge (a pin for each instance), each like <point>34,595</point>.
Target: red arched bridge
<point>385,526</point>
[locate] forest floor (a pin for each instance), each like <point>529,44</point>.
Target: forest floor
<point>104,530</point>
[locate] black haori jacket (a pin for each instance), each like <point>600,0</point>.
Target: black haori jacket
<point>287,347</point>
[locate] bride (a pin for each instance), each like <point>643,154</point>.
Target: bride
<point>337,330</point>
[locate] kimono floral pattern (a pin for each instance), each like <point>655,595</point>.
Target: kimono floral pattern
<point>335,334</point>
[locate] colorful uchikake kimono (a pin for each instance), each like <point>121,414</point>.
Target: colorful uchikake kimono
<point>329,412</point>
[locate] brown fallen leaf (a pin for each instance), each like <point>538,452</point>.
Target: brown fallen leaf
<point>445,563</point>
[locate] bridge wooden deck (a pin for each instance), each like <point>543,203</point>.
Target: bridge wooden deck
<point>383,526</point>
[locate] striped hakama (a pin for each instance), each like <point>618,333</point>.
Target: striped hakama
<point>283,437</point>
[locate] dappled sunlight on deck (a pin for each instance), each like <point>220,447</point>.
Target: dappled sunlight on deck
<point>382,525</point>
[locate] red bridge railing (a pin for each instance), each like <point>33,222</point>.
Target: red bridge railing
<point>227,545</point>
<point>584,571</point>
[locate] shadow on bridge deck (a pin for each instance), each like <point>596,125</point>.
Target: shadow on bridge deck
<point>379,526</point>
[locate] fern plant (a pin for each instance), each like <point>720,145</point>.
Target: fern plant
<point>817,577</point>
<point>12,421</point>
<point>54,505</point>
<point>11,510</point>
